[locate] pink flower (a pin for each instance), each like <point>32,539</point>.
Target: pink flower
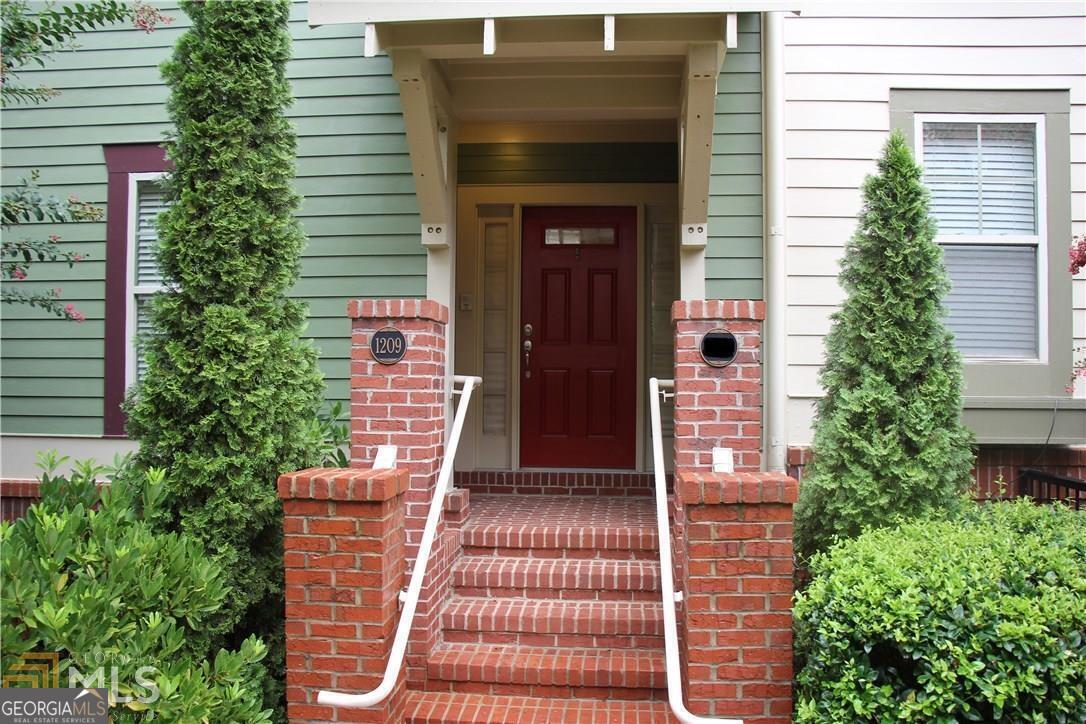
<point>18,273</point>
<point>77,257</point>
<point>54,237</point>
<point>1077,254</point>
<point>69,308</point>
<point>77,316</point>
<point>146,17</point>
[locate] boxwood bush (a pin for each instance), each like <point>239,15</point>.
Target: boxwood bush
<point>980,618</point>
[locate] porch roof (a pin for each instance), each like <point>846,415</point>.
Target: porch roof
<point>564,60</point>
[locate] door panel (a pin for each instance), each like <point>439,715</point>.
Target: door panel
<point>578,313</point>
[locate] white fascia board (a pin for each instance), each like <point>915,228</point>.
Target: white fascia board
<point>330,12</point>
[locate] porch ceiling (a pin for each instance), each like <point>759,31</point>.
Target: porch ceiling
<point>586,88</point>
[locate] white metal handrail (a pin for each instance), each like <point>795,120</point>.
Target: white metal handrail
<point>667,578</point>
<point>414,588</point>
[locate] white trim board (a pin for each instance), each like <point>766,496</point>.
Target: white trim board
<point>18,453</point>
<point>322,12</point>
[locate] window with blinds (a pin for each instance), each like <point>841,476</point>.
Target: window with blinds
<point>150,201</point>
<point>986,197</point>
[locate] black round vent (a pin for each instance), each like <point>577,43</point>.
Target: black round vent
<point>718,347</point>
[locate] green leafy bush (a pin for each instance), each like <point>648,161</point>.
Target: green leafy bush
<point>982,618</point>
<point>888,440</point>
<point>88,578</point>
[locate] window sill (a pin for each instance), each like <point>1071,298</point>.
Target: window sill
<point>1032,402</point>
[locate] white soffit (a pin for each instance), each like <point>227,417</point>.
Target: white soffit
<point>329,12</point>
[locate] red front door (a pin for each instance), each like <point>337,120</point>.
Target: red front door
<point>579,318</point>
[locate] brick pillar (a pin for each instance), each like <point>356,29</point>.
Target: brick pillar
<point>403,404</point>
<point>738,593</point>
<point>344,558</point>
<point>718,406</point>
<point>732,532</point>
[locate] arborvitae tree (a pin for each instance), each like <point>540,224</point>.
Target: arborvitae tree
<point>888,437</point>
<point>231,393</point>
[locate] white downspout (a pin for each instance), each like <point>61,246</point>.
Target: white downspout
<point>775,363</point>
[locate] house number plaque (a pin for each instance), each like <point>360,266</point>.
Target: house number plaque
<point>388,345</point>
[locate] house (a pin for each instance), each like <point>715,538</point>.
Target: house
<point>566,184</point>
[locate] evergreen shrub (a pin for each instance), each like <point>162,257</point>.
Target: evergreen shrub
<point>982,618</point>
<point>230,397</point>
<point>889,440</point>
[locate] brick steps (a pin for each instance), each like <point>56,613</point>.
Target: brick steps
<point>490,576</point>
<point>556,601</point>
<point>557,541</point>
<point>556,527</point>
<point>431,707</point>
<point>544,667</point>
<point>530,622</point>
<point>592,618</point>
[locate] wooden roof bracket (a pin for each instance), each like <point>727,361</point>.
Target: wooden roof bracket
<point>426,101</point>
<point>698,105</point>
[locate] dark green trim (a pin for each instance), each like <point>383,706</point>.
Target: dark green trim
<point>531,163</point>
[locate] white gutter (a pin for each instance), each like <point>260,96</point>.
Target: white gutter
<point>411,599</point>
<point>775,343</point>
<point>668,595</point>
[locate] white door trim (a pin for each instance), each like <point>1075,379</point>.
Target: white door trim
<point>470,197</point>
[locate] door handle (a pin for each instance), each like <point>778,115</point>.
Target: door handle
<point>527,358</point>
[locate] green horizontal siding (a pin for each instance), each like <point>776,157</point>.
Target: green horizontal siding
<point>354,171</point>
<point>359,209</point>
<point>532,163</point>
<point>733,264</point>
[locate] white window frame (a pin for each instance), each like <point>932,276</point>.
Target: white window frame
<point>1039,241</point>
<point>133,290</point>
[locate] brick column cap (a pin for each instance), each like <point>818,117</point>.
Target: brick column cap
<point>695,488</point>
<point>345,484</point>
<point>398,309</point>
<point>718,309</point>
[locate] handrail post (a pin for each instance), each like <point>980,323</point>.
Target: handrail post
<point>418,572</point>
<point>667,578</point>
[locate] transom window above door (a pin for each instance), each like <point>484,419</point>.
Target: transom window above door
<point>986,179</point>
<point>584,236</point>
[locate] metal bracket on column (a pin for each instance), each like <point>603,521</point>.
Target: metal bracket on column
<point>695,236</point>
<point>435,236</point>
